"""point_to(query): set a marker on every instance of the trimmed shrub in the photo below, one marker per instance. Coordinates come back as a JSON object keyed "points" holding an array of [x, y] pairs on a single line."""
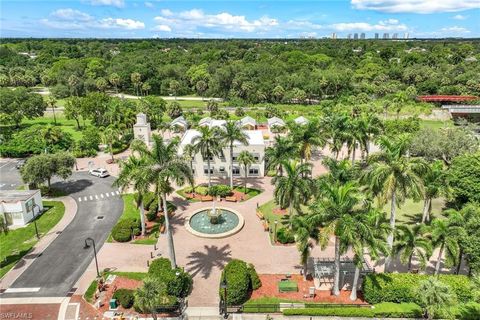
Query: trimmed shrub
{"points": [[328, 311], [469, 311], [285, 236], [402, 287], [238, 281], [188, 190], [201, 190], [122, 231], [398, 310], [220, 190], [255, 280], [125, 297], [178, 282]]}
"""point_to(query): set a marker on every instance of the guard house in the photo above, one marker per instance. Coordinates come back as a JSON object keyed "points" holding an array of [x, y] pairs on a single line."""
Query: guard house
{"points": [[141, 129], [324, 270], [19, 207]]}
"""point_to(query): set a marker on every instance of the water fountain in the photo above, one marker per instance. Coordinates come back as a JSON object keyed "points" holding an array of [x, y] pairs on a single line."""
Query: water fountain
{"points": [[215, 222]]}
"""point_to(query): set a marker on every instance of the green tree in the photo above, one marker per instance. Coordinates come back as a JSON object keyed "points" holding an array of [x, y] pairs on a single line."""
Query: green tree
{"points": [[174, 110], [412, 242], [114, 80], [18, 104], [163, 166], [44, 167], [245, 159], [189, 152], [307, 137], [445, 237], [153, 107], [174, 87], [101, 84], [208, 143], [136, 79], [434, 182], [232, 134], [282, 150], [150, 296], [201, 86], [74, 84], [392, 175], [464, 178], [306, 235], [110, 135], [295, 188], [73, 110], [434, 296], [51, 102]]}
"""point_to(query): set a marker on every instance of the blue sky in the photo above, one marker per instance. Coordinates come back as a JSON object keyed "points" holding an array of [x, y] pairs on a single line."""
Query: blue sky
{"points": [[238, 19]]}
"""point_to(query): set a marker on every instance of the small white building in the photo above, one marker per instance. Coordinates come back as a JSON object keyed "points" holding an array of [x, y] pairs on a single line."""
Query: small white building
{"points": [[248, 123], [275, 122], [18, 207], [301, 120], [179, 124], [220, 166], [211, 122], [142, 130]]}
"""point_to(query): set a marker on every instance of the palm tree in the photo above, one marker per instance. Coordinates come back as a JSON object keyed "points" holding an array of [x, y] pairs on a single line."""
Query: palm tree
{"points": [[412, 242], [136, 78], [434, 296], [373, 127], [283, 150], [109, 135], [150, 295], [209, 145], [51, 102], [434, 182], [295, 188], [162, 166], [307, 137], [336, 125], [392, 176], [338, 170], [334, 211], [114, 79], [131, 176], [355, 135], [189, 154], [245, 159], [233, 133], [445, 237], [305, 233]]}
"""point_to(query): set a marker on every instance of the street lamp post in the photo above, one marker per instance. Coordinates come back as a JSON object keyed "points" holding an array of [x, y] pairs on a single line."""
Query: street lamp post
{"points": [[223, 285], [94, 252], [35, 219], [275, 231]]}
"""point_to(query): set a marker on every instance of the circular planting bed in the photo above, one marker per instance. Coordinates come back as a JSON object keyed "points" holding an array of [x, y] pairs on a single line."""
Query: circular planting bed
{"points": [[219, 224]]}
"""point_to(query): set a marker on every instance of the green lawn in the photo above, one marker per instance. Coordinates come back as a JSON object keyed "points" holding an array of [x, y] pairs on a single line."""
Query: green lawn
{"points": [[129, 275], [435, 124], [411, 211], [17, 243], [91, 291], [251, 192], [66, 125]]}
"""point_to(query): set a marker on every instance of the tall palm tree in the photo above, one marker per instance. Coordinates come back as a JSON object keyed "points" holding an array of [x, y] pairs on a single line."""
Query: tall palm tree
{"points": [[333, 211], [149, 296], [109, 135], [355, 135], [306, 233], [307, 137], [245, 159], [338, 170], [445, 237], [131, 176], [51, 102], [412, 242], [162, 167], [434, 296], [114, 79], [295, 188], [282, 150], [434, 181], [336, 125], [392, 175], [189, 154], [208, 143], [373, 127], [233, 133]]}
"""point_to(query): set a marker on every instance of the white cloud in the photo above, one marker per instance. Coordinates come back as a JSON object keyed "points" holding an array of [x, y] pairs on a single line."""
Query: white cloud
{"points": [[191, 20], [416, 6], [149, 4], [384, 25], [455, 29], [162, 27], [114, 3], [128, 24], [71, 14], [459, 17]]}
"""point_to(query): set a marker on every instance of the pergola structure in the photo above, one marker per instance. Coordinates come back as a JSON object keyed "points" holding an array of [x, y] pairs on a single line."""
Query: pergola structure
{"points": [[446, 98], [325, 268]]}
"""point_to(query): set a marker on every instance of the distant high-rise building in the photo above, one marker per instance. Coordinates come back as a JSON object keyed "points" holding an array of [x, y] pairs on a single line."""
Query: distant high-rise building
{"points": [[362, 35], [406, 35], [376, 35], [334, 35], [349, 36], [386, 35], [395, 36], [355, 36]]}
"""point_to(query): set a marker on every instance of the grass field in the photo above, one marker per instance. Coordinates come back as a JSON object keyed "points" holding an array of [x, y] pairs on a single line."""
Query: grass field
{"points": [[17, 243], [66, 125], [436, 124], [411, 212]]}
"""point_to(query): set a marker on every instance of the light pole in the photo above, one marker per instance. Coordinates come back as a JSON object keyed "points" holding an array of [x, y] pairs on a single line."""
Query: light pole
{"points": [[223, 285], [94, 252], [275, 232], [35, 219]]}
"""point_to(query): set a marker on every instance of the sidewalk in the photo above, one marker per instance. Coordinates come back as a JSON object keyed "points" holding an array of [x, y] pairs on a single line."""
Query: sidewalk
{"points": [[43, 243]]}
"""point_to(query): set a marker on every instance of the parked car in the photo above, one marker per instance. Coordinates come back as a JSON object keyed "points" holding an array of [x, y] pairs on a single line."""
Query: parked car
{"points": [[100, 172]]}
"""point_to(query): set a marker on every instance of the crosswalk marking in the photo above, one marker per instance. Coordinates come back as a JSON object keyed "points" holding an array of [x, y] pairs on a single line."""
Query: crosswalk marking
{"points": [[113, 193], [12, 290], [117, 192], [85, 198], [107, 194], [79, 199], [101, 195], [96, 197], [91, 198]]}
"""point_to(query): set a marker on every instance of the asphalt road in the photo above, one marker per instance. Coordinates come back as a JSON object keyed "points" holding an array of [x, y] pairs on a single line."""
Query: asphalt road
{"points": [[9, 175], [65, 260]]}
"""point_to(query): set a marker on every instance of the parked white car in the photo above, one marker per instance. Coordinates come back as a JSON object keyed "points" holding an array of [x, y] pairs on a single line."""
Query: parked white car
{"points": [[100, 172]]}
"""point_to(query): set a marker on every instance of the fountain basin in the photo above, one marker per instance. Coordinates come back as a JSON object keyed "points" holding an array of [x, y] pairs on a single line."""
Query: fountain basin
{"points": [[199, 224]]}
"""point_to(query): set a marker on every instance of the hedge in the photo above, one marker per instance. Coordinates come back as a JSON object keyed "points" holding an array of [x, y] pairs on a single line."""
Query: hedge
{"points": [[398, 310], [332, 311], [220, 190], [177, 285], [285, 236], [124, 297], [402, 287], [254, 279], [122, 231]]}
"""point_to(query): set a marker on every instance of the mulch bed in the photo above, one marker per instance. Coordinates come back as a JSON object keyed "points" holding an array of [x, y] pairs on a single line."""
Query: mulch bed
{"points": [[118, 283], [240, 196], [269, 288], [279, 211]]}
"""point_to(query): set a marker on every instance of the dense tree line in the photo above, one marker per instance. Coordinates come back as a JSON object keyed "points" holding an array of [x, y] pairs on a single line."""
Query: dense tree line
{"points": [[245, 70]]}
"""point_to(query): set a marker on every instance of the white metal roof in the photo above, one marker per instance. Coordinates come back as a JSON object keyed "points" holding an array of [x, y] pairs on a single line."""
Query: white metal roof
{"points": [[248, 120], [301, 120], [275, 121], [255, 138], [179, 121], [211, 122]]}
